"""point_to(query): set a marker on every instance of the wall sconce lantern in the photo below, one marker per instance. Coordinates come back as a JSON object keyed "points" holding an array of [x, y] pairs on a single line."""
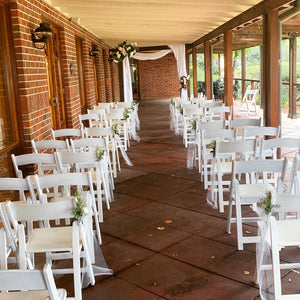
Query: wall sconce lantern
{"points": [[41, 35], [94, 51]]}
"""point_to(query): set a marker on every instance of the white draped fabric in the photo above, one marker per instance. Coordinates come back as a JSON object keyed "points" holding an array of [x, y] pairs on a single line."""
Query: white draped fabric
{"points": [[179, 53]]}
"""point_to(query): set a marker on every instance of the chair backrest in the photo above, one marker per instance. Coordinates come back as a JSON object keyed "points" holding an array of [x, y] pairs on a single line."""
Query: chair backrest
{"points": [[250, 95], [29, 280], [63, 185], [294, 182], [279, 143], [67, 132], [207, 104], [219, 124], [219, 134], [86, 144], [45, 161], [17, 184], [99, 132], [218, 112], [106, 106], [192, 110], [261, 132], [245, 123], [90, 117], [125, 104], [231, 148], [56, 145]]}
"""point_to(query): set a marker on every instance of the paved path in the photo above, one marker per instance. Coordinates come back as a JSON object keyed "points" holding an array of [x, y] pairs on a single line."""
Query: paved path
{"points": [[160, 237]]}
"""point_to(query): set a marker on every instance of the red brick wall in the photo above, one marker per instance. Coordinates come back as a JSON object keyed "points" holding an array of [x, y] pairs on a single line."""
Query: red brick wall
{"points": [[31, 69], [158, 78]]}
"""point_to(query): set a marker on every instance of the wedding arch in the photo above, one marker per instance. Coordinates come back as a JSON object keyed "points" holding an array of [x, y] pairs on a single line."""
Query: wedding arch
{"points": [[179, 53]]}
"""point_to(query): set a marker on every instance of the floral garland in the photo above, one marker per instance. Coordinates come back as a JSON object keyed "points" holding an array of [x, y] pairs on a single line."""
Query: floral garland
{"points": [[122, 50], [80, 208], [184, 81]]}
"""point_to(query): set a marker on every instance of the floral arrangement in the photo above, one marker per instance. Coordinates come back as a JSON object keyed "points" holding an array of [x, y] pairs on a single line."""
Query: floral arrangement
{"points": [[193, 124], [126, 113], [212, 147], [184, 81], [99, 154], [115, 129], [122, 50], [181, 109], [172, 102], [80, 208], [266, 204]]}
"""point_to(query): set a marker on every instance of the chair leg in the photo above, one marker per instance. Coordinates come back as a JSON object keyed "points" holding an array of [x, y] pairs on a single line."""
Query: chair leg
{"points": [[76, 263], [239, 226], [3, 250]]}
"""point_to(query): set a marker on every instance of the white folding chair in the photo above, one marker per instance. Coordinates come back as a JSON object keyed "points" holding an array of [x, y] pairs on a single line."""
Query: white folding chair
{"points": [[30, 284], [64, 242], [242, 123], [67, 133], [213, 125], [92, 119], [259, 181], [220, 113], [207, 137], [225, 154], [88, 161], [106, 106], [109, 135], [249, 100], [64, 186]]}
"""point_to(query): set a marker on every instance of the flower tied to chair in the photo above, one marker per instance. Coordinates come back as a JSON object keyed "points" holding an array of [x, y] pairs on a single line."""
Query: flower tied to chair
{"points": [[80, 208], [126, 113], [99, 154], [267, 205], [212, 147], [115, 129]]}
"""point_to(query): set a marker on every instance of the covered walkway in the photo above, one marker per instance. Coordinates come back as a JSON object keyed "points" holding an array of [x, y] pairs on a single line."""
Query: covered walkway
{"points": [[160, 237]]}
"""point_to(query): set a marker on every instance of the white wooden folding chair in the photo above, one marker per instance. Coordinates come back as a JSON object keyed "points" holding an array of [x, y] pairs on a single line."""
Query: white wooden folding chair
{"points": [[106, 106], [88, 161], [258, 182], [242, 123], [67, 133], [93, 119], [212, 125], [249, 100], [64, 242], [225, 154], [30, 284], [64, 186], [220, 113], [109, 135], [207, 137]]}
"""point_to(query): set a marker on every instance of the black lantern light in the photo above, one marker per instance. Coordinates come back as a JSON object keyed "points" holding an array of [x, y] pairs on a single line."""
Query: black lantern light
{"points": [[41, 35], [94, 51]]}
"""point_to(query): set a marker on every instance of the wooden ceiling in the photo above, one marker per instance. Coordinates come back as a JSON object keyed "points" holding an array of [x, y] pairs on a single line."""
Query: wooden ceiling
{"points": [[152, 22]]}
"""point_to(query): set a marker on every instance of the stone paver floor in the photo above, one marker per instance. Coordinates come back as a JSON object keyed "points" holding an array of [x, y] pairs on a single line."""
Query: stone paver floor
{"points": [[160, 237]]}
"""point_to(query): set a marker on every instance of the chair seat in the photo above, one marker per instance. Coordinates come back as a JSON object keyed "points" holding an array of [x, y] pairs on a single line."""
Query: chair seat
{"points": [[225, 167], [32, 295], [255, 191], [55, 238], [288, 232]]}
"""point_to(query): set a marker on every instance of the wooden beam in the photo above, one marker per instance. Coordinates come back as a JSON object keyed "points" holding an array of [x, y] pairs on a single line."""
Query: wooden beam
{"points": [[243, 67], [292, 77], [207, 70], [271, 78], [154, 48], [195, 77], [228, 74], [255, 11]]}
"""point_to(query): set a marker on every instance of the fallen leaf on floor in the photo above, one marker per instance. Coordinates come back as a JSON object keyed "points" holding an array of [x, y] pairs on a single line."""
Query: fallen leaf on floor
{"points": [[246, 272], [149, 234], [173, 175], [168, 221], [137, 264], [295, 271], [212, 257], [290, 280], [174, 255], [161, 228], [155, 283], [247, 231]]}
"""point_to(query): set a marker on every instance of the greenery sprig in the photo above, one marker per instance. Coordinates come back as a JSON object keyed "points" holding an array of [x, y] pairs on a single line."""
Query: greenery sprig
{"points": [[80, 208], [266, 204], [193, 124], [212, 146], [115, 129], [99, 153], [126, 113]]}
